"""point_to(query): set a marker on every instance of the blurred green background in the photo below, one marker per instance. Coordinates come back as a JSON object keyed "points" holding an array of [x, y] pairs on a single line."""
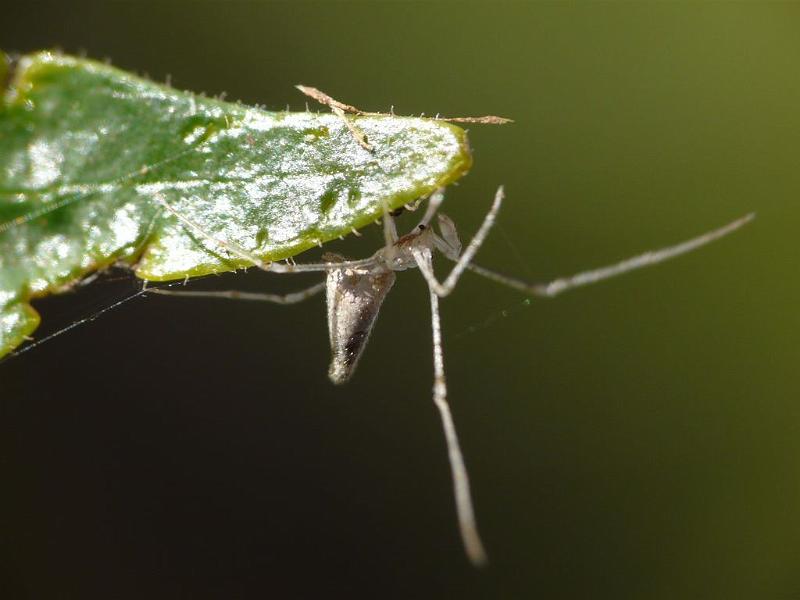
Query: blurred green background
{"points": [[637, 439]]}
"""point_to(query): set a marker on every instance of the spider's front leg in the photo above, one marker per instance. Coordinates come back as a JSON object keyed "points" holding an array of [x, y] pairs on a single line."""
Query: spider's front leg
{"points": [[647, 259]]}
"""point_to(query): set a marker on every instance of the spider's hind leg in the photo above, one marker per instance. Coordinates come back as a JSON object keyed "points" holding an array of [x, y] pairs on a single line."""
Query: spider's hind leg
{"points": [[290, 298]]}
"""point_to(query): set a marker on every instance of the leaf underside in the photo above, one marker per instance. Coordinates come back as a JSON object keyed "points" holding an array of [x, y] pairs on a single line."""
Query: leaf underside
{"points": [[89, 154]]}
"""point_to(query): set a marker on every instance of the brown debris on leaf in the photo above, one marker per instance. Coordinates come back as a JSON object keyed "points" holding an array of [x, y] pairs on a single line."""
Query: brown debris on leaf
{"points": [[323, 98], [486, 120], [340, 108], [359, 135]]}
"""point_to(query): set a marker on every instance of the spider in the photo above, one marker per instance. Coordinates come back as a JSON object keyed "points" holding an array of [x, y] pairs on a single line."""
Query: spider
{"points": [[356, 289]]}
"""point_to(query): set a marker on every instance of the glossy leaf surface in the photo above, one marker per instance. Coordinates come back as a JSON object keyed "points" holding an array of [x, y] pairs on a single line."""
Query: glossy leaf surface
{"points": [[89, 155]]}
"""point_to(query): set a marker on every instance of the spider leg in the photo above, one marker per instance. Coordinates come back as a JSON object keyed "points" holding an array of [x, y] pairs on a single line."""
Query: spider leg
{"points": [[290, 298], [468, 528], [434, 202], [647, 259], [390, 236]]}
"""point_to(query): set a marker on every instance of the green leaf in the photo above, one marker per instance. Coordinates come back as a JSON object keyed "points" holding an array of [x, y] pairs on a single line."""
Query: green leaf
{"points": [[89, 154]]}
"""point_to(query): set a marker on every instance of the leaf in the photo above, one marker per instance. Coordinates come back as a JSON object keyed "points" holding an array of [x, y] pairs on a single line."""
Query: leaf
{"points": [[89, 154]]}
